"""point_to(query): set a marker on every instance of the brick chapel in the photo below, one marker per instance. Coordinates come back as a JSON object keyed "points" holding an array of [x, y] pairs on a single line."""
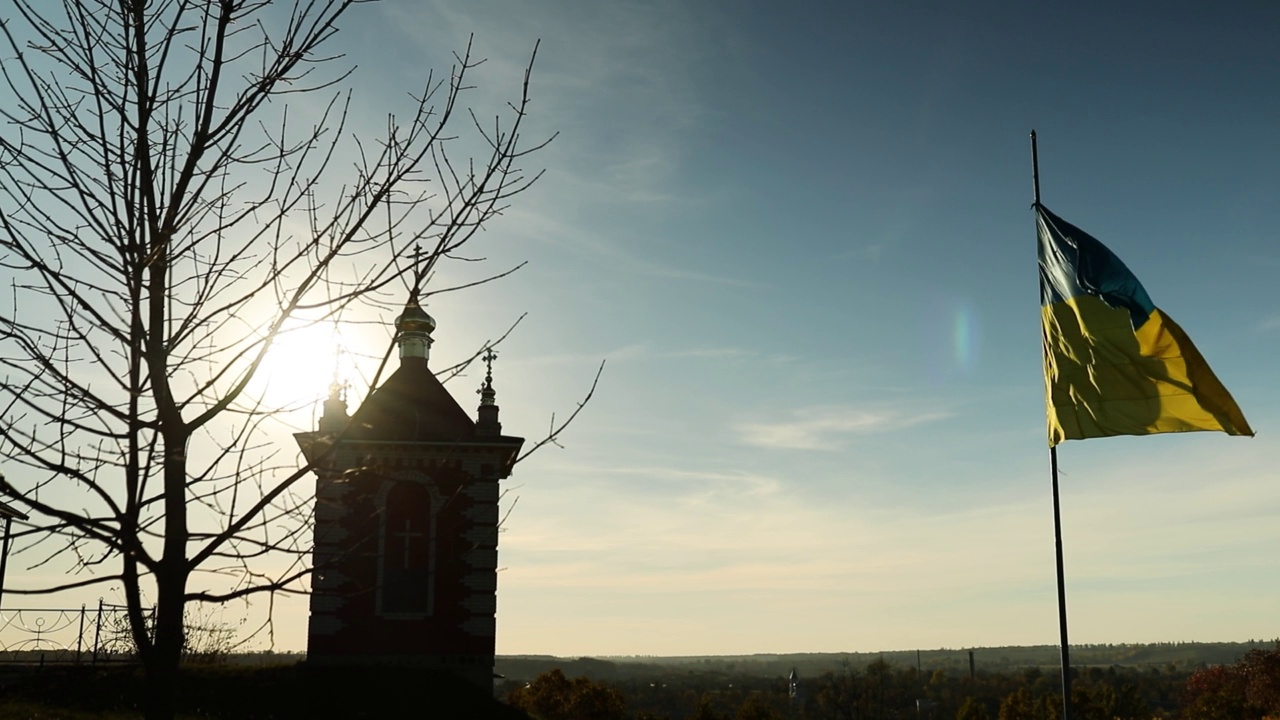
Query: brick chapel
{"points": [[406, 520]]}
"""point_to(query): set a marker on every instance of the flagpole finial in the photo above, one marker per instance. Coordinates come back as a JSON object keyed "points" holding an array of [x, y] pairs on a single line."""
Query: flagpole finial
{"points": [[1035, 170]]}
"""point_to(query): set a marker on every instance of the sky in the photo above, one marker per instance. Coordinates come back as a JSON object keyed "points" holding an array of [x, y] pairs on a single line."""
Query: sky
{"points": [[799, 235]]}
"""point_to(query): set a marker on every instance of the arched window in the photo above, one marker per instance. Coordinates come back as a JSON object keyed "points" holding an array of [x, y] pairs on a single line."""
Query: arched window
{"points": [[408, 550]]}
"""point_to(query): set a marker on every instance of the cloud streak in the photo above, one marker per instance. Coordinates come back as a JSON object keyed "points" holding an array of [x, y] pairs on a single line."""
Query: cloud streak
{"points": [[829, 428]]}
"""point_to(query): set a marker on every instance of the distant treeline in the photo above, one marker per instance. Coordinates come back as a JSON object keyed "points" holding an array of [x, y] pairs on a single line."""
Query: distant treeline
{"points": [[1173, 681], [1179, 655]]}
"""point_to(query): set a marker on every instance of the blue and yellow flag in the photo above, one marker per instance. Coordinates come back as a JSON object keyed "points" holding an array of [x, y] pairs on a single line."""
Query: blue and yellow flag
{"points": [[1113, 363]]}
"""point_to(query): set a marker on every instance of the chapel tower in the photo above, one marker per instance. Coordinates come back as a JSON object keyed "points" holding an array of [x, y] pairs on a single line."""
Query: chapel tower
{"points": [[406, 520]]}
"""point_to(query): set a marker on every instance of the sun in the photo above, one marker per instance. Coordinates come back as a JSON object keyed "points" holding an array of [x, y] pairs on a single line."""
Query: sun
{"points": [[305, 359]]}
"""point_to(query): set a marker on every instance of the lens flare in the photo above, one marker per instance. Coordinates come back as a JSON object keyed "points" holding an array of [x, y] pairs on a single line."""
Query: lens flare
{"points": [[968, 336]]}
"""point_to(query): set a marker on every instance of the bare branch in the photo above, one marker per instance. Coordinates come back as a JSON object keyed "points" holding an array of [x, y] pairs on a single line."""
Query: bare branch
{"points": [[553, 434], [169, 221]]}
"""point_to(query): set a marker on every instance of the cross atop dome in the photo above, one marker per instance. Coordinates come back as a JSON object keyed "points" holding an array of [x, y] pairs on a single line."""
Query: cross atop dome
{"points": [[487, 394], [414, 326], [487, 416]]}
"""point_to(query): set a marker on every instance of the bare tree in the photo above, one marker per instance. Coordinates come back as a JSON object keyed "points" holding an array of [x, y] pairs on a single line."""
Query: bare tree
{"points": [[165, 218]]}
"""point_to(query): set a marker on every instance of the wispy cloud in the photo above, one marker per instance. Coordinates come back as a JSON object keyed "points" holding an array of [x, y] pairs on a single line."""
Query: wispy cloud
{"points": [[697, 483], [714, 352], [626, 106], [623, 248], [637, 80], [640, 352], [828, 428]]}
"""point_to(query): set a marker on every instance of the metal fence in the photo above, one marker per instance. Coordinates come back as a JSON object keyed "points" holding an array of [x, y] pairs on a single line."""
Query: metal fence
{"points": [[66, 636]]}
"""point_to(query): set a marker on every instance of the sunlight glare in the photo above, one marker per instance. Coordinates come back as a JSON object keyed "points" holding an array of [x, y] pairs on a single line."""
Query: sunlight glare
{"points": [[303, 362]]}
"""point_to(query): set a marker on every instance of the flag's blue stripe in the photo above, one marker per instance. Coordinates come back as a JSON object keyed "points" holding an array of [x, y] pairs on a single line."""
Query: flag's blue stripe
{"points": [[1073, 263]]}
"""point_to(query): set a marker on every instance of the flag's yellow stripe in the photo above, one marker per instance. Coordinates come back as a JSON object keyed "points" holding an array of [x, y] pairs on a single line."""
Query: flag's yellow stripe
{"points": [[1104, 378]]}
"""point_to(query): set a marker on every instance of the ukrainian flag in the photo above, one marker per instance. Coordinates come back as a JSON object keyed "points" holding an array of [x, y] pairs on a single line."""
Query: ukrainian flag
{"points": [[1113, 363]]}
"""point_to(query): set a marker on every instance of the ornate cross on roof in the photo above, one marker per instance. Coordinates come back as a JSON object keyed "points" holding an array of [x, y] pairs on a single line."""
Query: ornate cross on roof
{"points": [[489, 356]]}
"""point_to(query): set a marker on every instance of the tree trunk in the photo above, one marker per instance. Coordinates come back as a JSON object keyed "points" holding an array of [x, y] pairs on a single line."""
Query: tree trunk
{"points": [[171, 582], [163, 663]]}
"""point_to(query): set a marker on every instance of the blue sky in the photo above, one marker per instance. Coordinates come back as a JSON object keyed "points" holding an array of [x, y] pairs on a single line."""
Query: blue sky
{"points": [[800, 235]]}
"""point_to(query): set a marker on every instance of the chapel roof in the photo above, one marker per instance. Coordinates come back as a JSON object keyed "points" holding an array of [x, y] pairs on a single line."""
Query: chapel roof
{"points": [[412, 406]]}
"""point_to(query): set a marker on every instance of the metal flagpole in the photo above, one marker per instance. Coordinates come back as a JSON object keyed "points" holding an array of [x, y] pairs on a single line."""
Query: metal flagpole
{"points": [[1057, 510]]}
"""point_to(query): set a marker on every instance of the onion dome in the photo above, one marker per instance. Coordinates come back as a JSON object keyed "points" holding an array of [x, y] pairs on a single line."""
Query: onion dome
{"points": [[413, 331]]}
